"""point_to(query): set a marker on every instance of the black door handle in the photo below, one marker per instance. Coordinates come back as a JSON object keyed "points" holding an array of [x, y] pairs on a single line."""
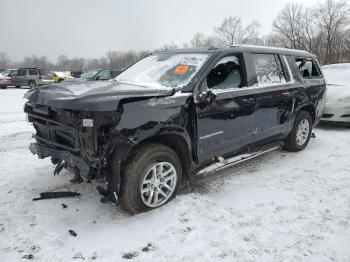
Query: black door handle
{"points": [[286, 94], [247, 101]]}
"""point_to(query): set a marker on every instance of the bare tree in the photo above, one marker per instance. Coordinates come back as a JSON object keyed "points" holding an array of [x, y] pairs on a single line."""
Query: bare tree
{"points": [[201, 40], [322, 30], [4, 61], [334, 19], [288, 25], [232, 31], [62, 62]]}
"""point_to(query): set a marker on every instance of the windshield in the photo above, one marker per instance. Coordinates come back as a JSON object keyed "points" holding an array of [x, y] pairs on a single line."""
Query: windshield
{"points": [[7, 72], [164, 70], [90, 74]]}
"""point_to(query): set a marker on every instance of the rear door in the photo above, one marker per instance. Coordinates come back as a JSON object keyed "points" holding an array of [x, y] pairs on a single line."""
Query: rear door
{"points": [[227, 123], [313, 81], [275, 88], [33, 75]]}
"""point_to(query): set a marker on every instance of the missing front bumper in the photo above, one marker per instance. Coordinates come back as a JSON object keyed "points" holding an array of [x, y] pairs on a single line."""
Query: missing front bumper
{"points": [[42, 151]]}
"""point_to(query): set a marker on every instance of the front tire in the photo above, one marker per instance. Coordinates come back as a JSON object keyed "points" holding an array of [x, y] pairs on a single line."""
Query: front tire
{"points": [[301, 132], [151, 178], [3, 87]]}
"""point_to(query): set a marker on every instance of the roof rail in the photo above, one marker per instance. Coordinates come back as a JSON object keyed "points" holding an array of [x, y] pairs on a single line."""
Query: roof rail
{"points": [[266, 47]]}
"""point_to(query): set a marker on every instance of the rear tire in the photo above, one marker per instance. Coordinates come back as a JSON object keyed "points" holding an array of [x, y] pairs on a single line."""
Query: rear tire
{"points": [[3, 87], [151, 178], [301, 132], [18, 86]]}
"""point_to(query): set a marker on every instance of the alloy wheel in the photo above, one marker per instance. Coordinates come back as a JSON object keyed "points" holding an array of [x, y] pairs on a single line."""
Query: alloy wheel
{"points": [[158, 184], [302, 132]]}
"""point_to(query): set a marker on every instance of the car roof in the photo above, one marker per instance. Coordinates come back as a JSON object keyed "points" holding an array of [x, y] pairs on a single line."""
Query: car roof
{"points": [[245, 48]]}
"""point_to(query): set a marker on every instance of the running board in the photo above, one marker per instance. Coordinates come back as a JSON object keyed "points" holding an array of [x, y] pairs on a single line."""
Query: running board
{"points": [[226, 163]]}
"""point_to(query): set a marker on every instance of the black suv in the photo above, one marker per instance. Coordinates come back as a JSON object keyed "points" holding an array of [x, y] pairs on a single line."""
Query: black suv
{"points": [[172, 115]]}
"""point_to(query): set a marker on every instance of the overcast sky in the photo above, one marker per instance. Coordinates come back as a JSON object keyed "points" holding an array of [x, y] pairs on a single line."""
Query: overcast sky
{"points": [[89, 28]]}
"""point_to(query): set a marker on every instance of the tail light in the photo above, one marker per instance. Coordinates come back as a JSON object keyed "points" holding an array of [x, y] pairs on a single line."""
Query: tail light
{"points": [[40, 77]]}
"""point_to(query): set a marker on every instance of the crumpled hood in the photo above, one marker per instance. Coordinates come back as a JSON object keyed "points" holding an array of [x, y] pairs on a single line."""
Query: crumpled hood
{"points": [[90, 95]]}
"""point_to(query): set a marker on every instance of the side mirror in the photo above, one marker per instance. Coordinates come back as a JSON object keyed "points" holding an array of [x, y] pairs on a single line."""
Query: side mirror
{"points": [[206, 98]]}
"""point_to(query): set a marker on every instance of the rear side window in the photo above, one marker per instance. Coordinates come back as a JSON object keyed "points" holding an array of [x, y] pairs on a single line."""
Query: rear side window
{"points": [[33, 72], [268, 69], [308, 68], [104, 74], [22, 72]]}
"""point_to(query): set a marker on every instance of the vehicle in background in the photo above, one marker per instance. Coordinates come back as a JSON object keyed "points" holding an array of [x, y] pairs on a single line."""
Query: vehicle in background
{"points": [[27, 76], [76, 74], [58, 76], [174, 115], [46, 76], [337, 108], [100, 74], [7, 72], [5, 79], [2, 70]]}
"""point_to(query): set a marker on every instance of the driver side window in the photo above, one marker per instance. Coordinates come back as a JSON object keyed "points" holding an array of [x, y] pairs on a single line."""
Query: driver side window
{"points": [[225, 74]]}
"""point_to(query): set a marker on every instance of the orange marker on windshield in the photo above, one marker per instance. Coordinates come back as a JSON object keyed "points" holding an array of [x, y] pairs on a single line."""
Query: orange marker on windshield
{"points": [[181, 70]]}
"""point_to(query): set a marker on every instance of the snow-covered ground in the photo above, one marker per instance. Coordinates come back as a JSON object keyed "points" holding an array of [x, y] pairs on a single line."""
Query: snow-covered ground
{"points": [[279, 207]]}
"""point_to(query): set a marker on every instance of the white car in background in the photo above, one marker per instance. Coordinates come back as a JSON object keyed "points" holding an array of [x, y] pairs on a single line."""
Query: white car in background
{"points": [[338, 93]]}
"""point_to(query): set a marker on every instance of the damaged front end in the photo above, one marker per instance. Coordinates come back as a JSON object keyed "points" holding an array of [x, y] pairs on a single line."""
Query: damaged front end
{"points": [[79, 141]]}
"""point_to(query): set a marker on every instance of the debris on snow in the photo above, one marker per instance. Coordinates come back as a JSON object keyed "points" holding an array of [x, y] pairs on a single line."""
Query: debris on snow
{"points": [[78, 255], [29, 256], [50, 195], [130, 255], [147, 248], [72, 232]]}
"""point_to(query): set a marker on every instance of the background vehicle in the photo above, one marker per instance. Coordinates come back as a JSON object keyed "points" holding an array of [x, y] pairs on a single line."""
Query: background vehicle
{"points": [[2, 70], [338, 93], [174, 114], [5, 80], [100, 74], [76, 74], [31, 77], [58, 76]]}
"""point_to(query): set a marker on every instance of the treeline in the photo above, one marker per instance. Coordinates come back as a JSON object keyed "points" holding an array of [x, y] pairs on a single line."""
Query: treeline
{"points": [[323, 29]]}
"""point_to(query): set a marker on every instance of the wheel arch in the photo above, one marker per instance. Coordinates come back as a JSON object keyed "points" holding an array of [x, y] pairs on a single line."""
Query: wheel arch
{"points": [[310, 108], [177, 143]]}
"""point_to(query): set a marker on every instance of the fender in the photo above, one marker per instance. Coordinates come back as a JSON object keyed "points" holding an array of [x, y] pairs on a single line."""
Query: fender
{"points": [[142, 120]]}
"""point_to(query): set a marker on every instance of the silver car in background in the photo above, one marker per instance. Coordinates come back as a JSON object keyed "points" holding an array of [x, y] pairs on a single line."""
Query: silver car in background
{"points": [[31, 77], [5, 79], [338, 93]]}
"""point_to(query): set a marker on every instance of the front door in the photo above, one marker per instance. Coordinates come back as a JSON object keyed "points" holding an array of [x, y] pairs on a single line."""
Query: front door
{"points": [[19, 77], [227, 123]]}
